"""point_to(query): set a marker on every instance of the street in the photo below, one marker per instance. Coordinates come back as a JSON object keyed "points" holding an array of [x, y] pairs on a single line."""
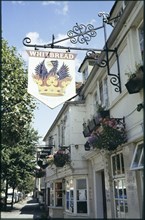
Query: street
{"points": [[26, 209]]}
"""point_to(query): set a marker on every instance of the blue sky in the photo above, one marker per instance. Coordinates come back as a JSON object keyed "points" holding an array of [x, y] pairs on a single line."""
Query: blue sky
{"points": [[39, 20]]}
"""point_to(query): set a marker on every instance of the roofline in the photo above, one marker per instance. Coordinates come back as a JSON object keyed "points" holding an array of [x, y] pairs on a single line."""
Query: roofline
{"points": [[113, 7]]}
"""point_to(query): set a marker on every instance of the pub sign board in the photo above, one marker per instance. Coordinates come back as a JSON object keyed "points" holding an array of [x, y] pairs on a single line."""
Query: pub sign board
{"points": [[51, 76]]}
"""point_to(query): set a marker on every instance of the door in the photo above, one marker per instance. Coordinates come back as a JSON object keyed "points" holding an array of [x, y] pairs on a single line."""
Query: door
{"points": [[101, 209]]}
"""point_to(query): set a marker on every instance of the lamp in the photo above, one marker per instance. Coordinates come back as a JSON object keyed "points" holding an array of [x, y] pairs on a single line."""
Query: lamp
{"points": [[87, 146]]}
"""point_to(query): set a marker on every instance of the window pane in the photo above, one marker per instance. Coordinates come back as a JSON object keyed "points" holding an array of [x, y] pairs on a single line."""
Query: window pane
{"points": [[117, 208], [101, 92], [67, 200], [116, 189], [118, 165], [121, 206], [81, 194], [58, 185], [81, 184], [142, 160], [59, 202], [122, 163], [81, 207], [141, 39], [137, 156], [105, 93], [113, 165], [59, 194]]}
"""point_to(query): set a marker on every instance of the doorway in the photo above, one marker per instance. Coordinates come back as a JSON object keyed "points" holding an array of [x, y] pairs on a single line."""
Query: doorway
{"points": [[101, 209]]}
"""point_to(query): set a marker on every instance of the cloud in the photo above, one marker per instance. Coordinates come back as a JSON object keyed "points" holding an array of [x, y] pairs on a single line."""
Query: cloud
{"points": [[93, 22], [61, 7], [35, 38], [18, 2], [50, 3], [64, 10]]}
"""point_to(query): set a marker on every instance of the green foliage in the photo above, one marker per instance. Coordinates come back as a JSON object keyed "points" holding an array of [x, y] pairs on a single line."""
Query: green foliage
{"points": [[17, 105], [18, 138]]}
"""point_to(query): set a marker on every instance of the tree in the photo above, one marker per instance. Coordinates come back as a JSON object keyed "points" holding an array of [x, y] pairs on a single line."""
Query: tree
{"points": [[17, 105], [18, 138]]}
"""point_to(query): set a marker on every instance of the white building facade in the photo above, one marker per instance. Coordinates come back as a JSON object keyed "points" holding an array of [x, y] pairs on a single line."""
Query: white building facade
{"points": [[100, 183]]}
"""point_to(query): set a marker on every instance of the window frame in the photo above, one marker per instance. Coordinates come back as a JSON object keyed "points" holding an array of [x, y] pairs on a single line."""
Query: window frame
{"points": [[81, 200], [53, 194], [71, 185], [85, 73], [101, 94], [119, 177], [139, 166], [141, 40]]}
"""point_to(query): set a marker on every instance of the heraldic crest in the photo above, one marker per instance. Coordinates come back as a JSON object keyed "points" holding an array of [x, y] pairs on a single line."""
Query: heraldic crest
{"points": [[51, 80]]}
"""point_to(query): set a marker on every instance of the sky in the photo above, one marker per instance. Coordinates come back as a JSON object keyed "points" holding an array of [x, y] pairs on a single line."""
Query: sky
{"points": [[39, 20]]}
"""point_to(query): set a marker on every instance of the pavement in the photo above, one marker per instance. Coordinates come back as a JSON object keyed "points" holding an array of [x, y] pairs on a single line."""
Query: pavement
{"points": [[27, 209]]}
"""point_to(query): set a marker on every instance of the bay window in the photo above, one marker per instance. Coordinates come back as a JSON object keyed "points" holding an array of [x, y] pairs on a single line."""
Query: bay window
{"points": [[76, 196], [56, 194], [70, 196], [119, 185], [81, 190]]}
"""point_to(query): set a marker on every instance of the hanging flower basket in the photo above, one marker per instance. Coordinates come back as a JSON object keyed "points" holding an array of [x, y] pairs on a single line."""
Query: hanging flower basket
{"points": [[135, 82], [109, 135], [61, 158], [87, 146]]}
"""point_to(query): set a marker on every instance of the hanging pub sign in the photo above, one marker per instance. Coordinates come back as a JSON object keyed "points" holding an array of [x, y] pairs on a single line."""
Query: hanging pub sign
{"points": [[51, 76]]}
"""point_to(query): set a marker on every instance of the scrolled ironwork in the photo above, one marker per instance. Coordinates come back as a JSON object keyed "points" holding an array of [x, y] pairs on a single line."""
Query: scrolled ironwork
{"points": [[26, 41], [81, 33], [92, 54], [115, 81], [105, 16], [102, 64]]}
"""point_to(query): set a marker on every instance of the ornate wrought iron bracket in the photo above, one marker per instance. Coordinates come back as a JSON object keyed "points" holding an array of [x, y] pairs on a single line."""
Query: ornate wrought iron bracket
{"points": [[83, 34]]}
